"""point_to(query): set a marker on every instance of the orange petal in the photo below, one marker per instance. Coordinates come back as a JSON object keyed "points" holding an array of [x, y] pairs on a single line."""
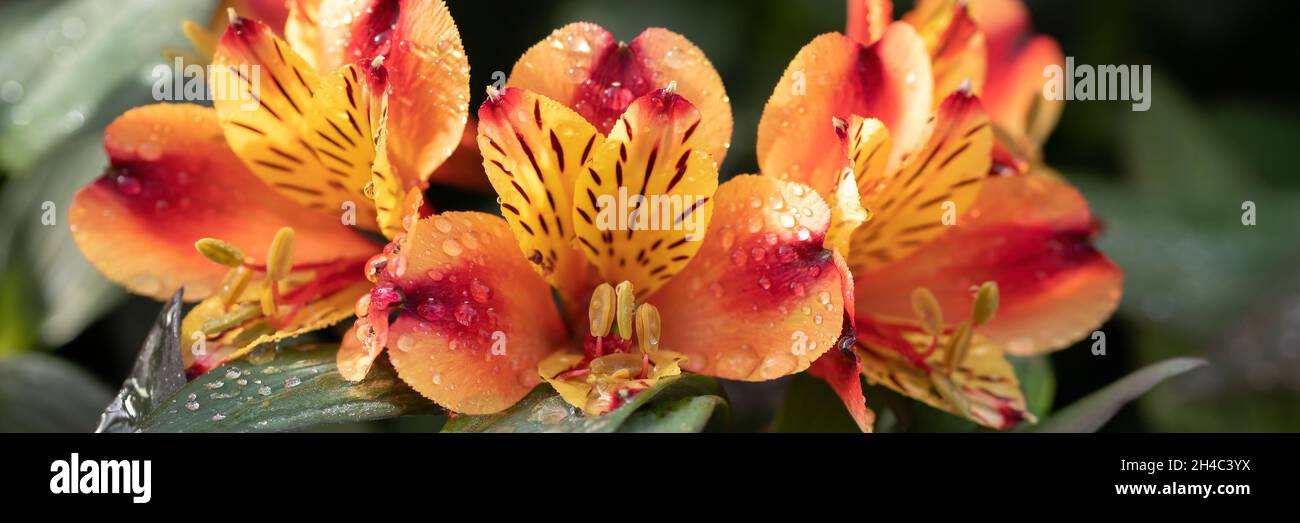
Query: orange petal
{"points": [[843, 373], [427, 80], [1016, 60], [868, 19], [1031, 235], [474, 320], [172, 181], [836, 77], [762, 298], [644, 202], [582, 66], [533, 150], [930, 193], [354, 359], [307, 138], [983, 387]]}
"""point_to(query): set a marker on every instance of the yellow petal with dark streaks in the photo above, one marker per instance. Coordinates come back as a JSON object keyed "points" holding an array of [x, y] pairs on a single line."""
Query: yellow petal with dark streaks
{"points": [[982, 387], [931, 191], [533, 150], [266, 97], [643, 205]]}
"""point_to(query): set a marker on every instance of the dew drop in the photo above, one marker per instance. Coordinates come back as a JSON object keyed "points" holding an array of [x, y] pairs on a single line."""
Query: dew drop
{"points": [[451, 247]]}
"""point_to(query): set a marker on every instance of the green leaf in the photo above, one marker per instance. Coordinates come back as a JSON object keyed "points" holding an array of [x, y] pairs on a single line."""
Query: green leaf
{"points": [[42, 393], [811, 405], [1037, 381], [69, 62], [542, 410], [289, 388], [158, 373], [693, 414], [1093, 411], [63, 291]]}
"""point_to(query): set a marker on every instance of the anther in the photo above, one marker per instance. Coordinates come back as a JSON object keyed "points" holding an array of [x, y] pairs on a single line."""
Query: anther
{"points": [[232, 16], [279, 259], [220, 252], [233, 287], [672, 87], [493, 93], [377, 62], [647, 328], [986, 303], [626, 309], [601, 311], [926, 307]]}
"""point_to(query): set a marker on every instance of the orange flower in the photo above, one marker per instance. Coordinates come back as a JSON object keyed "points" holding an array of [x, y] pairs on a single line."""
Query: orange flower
{"points": [[948, 244], [300, 146], [990, 44], [728, 280]]}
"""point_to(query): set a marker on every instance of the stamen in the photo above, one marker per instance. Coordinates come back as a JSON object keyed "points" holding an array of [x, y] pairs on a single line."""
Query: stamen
{"points": [[225, 322], [986, 303], [377, 62], [958, 346], [269, 299], [493, 93], [647, 328], [926, 307], [626, 309], [220, 252], [252, 332], [231, 15], [233, 286], [600, 313], [672, 87], [279, 259]]}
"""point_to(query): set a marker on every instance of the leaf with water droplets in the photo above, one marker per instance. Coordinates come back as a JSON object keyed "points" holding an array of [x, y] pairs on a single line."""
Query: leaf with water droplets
{"points": [[158, 373], [686, 403], [297, 388]]}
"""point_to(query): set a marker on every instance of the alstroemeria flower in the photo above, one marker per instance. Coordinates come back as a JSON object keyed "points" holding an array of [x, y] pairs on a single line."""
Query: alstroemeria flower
{"points": [[748, 293], [948, 244], [319, 150], [990, 45]]}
